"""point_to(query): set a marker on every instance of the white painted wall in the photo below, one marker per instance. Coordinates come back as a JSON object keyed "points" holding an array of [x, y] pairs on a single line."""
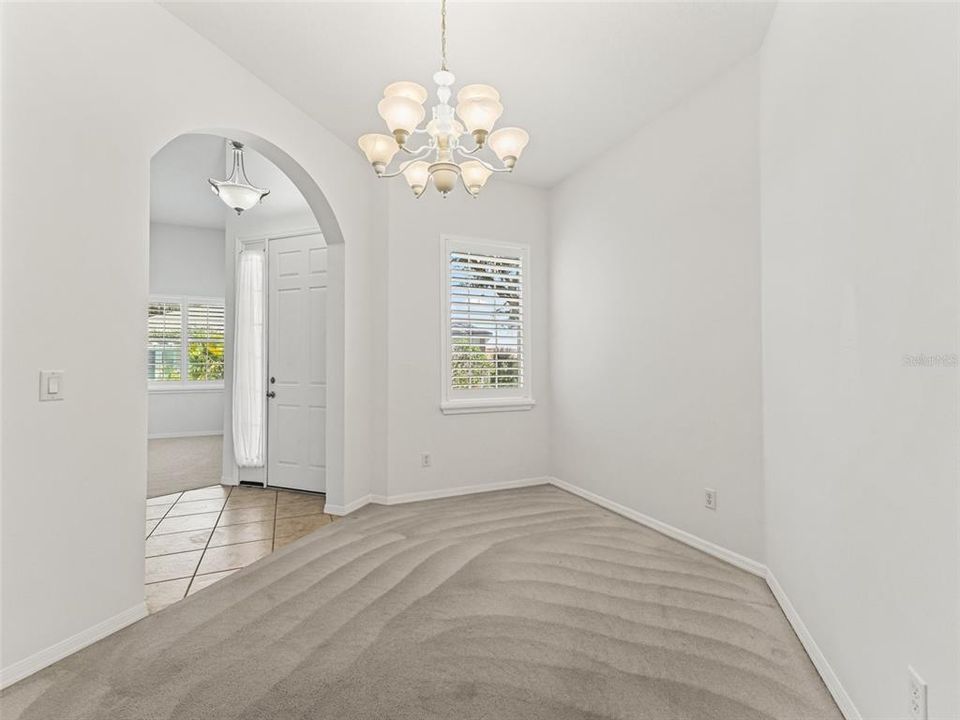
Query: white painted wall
{"points": [[90, 93], [860, 230], [185, 413], [655, 325], [472, 449], [185, 261]]}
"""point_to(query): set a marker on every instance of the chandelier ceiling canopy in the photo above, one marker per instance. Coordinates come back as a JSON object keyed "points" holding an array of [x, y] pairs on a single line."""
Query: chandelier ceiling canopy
{"points": [[442, 158]]}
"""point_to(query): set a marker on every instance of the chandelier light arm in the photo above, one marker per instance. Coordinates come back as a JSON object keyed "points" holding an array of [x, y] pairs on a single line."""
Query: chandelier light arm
{"points": [[406, 163], [474, 151], [416, 151], [487, 165]]}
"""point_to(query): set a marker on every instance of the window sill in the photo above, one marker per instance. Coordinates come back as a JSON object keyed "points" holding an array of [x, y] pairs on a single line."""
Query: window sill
{"points": [[464, 407], [185, 388]]}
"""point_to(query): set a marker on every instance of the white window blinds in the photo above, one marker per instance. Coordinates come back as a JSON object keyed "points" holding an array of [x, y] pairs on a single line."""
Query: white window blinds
{"points": [[486, 333], [185, 340], [164, 341], [486, 320], [205, 342], [486, 326]]}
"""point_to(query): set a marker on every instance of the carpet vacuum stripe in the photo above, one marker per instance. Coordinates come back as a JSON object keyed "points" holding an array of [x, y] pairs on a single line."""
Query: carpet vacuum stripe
{"points": [[526, 604]]}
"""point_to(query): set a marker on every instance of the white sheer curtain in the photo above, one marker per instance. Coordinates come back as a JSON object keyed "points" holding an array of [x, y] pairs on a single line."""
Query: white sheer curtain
{"points": [[248, 365]]}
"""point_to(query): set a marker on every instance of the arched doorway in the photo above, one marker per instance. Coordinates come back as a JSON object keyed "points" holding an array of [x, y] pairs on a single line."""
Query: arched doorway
{"points": [[177, 515]]}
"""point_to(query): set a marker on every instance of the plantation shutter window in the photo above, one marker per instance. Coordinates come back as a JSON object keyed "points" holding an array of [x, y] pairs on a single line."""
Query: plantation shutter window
{"points": [[185, 343], [486, 334], [164, 341], [205, 342]]}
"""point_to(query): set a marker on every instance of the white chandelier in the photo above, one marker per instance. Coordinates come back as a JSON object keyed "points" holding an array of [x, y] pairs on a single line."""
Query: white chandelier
{"points": [[478, 107]]}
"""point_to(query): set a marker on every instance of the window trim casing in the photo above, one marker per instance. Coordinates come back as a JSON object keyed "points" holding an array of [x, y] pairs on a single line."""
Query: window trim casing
{"points": [[183, 385], [453, 402]]}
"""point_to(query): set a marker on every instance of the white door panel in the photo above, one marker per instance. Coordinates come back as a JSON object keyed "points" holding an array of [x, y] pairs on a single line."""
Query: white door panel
{"points": [[296, 453]]}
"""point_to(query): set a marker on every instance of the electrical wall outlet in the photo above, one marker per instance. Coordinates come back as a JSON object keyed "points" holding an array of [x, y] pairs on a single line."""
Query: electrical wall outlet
{"points": [[918, 695], [710, 498], [425, 460]]}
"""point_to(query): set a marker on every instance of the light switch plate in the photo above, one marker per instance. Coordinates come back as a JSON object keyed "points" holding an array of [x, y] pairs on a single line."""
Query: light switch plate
{"points": [[51, 385]]}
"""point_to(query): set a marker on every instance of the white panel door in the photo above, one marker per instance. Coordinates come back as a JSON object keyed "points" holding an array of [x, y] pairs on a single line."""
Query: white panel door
{"points": [[297, 359]]}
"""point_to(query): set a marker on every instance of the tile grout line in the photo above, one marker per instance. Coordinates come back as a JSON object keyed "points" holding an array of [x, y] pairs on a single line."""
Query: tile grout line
{"points": [[213, 572], [182, 552], [217, 524], [164, 516], [273, 535], [235, 525], [207, 545]]}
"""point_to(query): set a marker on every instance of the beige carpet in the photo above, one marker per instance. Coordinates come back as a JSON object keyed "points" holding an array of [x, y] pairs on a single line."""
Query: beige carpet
{"points": [[177, 464], [520, 605]]}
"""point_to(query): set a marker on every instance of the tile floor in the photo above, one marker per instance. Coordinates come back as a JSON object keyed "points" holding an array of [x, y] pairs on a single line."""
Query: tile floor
{"points": [[197, 537]]}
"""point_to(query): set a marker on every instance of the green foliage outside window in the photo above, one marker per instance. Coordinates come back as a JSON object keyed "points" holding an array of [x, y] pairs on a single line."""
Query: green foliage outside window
{"points": [[169, 322], [205, 359], [473, 365]]}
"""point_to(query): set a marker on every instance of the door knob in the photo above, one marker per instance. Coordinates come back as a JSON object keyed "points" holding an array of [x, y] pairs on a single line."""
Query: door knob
{"points": [[271, 394]]}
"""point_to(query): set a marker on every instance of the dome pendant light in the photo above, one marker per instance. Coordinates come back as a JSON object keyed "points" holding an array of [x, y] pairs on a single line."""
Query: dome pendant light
{"points": [[236, 191], [478, 109]]}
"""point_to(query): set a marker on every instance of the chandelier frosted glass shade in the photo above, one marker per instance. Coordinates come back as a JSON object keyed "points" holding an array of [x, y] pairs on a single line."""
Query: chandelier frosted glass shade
{"points": [[379, 149], [237, 191], [475, 175], [401, 114], [508, 143], [444, 155], [477, 92], [479, 114], [411, 90], [417, 175]]}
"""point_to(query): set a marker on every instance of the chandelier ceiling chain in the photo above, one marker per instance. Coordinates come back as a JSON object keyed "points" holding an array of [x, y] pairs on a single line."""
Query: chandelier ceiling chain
{"points": [[478, 109], [443, 34]]}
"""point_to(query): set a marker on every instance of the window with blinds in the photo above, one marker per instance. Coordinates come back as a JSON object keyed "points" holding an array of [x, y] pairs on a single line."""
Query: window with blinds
{"points": [[204, 342], [164, 341], [486, 353], [185, 341]]}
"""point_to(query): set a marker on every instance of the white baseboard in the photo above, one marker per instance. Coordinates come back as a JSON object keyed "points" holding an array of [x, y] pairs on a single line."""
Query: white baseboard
{"points": [[434, 494], [341, 510], [224, 480], [39, 660], [454, 492], [192, 433], [817, 657], [717, 551], [819, 660]]}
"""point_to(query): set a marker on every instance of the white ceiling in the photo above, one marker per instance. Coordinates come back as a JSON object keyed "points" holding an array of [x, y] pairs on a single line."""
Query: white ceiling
{"points": [[181, 195], [179, 192], [578, 76]]}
